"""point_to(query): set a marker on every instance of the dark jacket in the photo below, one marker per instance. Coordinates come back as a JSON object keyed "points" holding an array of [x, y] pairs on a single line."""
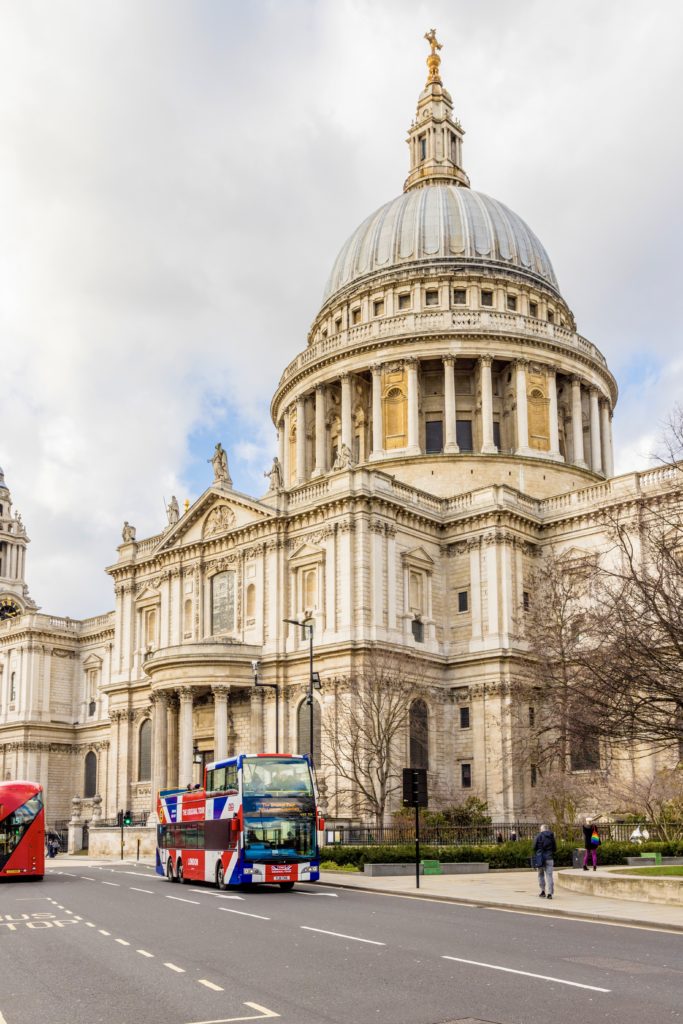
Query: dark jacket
{"points": [[545, 842], [587, 833]]}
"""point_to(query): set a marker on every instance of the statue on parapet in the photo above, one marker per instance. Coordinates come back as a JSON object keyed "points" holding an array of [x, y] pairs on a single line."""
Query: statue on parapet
{"points": [[344, 458], [219, 461], [173, 511], [275, 476], [128, 533]]}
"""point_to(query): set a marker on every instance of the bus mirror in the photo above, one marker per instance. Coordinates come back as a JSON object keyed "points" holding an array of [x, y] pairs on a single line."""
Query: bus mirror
{"points": [[321, 824]]}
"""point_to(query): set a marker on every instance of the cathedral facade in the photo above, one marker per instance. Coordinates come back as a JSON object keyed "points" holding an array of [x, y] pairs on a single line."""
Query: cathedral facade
{"points": [[444, 427]]}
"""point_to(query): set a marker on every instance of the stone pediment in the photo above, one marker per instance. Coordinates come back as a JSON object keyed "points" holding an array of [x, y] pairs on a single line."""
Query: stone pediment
{"points": [[306, 553], [418, 556], [214, 514]]}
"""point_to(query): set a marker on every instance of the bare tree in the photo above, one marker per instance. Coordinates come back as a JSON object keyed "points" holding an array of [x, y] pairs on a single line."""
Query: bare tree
{"points": [[658, 797], [365, 741]]}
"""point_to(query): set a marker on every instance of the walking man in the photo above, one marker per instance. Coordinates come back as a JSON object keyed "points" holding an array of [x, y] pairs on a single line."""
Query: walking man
{"points": [[543, 859]]}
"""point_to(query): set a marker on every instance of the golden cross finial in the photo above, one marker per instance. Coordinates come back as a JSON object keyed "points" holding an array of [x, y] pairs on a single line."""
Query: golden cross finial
{"points": [[187, 504], [432, 40]]}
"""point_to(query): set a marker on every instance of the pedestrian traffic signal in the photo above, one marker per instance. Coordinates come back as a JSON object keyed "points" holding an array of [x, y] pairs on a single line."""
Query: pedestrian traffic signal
{"points": [[127, 818], [415, 787]]}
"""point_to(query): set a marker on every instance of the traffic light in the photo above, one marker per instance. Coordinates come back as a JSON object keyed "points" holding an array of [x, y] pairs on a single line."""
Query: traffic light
{"points": [[415, 787], [119, 819], [127, 818]]}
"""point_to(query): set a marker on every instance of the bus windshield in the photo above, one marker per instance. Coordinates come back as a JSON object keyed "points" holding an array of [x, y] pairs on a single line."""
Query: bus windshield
{"points": [[279, 809], [272, 776], [14, 825]]}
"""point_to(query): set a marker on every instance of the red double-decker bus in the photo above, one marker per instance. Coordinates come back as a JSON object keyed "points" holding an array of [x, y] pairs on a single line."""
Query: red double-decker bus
{"points": [[22, 830]]}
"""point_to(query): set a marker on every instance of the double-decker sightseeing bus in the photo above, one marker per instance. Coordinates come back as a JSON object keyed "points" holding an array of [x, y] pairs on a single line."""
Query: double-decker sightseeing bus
{"points": [[22, 830], [256, 820]]}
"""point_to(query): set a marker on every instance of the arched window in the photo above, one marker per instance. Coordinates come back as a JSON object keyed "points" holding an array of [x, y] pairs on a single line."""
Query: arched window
{"points": [[12, 687], [309, 590], [304, 729], [90, 774], [251, 601], [187, 619], [145, 751], [151, 627], [419, 735], [223, 602]]}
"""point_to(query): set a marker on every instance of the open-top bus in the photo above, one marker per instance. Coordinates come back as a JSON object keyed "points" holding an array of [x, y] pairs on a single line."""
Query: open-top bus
{"points": [[255, 820], [22, 830]]}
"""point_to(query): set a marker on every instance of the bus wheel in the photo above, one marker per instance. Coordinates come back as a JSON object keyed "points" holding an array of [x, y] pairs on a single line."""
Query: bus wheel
{"points": [[220, 877], [286, 886], [179, 873], [169, 871]]}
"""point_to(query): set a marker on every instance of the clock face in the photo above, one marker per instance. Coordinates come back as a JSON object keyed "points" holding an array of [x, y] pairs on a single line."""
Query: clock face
{"points": [[8, 608]]}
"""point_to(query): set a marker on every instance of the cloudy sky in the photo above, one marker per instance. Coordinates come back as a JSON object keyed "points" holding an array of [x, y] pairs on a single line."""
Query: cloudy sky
{"points": [[177, 177]]}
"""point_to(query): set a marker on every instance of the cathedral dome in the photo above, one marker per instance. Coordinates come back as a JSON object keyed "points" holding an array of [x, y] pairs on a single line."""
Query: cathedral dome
{"points": [[441, 222]]}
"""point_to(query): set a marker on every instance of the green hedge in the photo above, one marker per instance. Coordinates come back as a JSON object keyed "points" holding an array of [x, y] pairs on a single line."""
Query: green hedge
{"points": [[500, 855]]}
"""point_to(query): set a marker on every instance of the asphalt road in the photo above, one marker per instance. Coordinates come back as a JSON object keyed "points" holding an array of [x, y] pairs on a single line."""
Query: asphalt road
{"points": [[121, 945]]}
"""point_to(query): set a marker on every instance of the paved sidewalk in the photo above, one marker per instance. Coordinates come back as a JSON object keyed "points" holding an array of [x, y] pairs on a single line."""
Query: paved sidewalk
{"points": [[517, 890]]}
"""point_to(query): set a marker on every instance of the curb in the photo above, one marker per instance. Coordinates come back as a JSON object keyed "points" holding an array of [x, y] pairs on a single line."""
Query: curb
{"points": [[513, 907]]}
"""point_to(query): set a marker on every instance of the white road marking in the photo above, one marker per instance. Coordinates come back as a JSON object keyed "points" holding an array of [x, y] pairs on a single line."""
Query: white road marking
{"points": [[527, 974], [173, 967], [133, 889], [181, 900], [218, 895], [69, 911], [77, 918], [210, 984], [140, 874], [339, 935], [303, 892], [122, 942], [143, 952], [2, 1019], [102, 932], [262, 1015], [117, 884], [88, 878], [243, 913], [89, 924]]}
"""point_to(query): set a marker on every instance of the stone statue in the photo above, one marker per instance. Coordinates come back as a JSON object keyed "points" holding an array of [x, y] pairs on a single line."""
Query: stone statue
{"points": [[128, 533], [173, 511], [275, 475], [344, 458], [219, 461]]}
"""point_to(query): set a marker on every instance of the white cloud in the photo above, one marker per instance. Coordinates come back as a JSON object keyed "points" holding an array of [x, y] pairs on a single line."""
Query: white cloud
{"points": [[175, 181]]}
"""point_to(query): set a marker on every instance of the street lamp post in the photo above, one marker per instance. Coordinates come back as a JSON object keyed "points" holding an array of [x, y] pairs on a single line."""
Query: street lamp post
{"points": [[271, 686], [306, 624]]}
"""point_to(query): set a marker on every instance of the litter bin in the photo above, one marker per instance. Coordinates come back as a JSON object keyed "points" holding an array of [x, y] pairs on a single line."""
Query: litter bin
{"points": [[577, 858]]}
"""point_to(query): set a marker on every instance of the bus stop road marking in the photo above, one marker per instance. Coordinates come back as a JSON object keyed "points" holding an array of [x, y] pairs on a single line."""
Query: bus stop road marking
{"points": [[340, 935], [181, 900], [174, 967], [263, 1014], [527, 974], [210, 984], [243, 913]]}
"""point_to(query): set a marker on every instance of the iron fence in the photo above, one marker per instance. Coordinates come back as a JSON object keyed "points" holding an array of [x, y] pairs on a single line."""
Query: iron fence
{"points": [[472, 835]]}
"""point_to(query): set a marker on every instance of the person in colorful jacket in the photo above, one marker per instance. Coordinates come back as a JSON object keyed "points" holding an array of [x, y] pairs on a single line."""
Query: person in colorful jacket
{"points": [[591, 841]]}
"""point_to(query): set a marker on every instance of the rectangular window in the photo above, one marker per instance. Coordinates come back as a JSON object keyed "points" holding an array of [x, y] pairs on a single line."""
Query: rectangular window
{"points": [[431, 297], [463, 601], [434, 436], [356, 448], [496, 434], [466, 776], [533, 309], [422, 142], [526, 601], [551, 316], [416, 591], [585, 754], [378, 307], [338, 325], [355, 316], [404, 300], [418, 631], [463, 435], [532, 717], [486, 298], [223, 602], [464, 718], [512, 303], [459, 296], [533, 775]]}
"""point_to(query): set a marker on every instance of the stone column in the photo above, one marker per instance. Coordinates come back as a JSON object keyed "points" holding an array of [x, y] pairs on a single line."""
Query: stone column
{"points": [[522, 411], [185, 738], [450, 445], [281, 443], [577, 423], [346, 421], [487, 445], [160, 742], [220, 722], [377, 423], [300, 439], [172, 741], [551, 378], [320, 439], [596, 452], [286, 468], [610, 449], [413, 407], [605, 437]]}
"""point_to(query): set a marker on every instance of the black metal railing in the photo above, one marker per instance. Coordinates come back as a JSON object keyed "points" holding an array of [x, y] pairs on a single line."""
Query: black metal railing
{"points": [[473, 835]]}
